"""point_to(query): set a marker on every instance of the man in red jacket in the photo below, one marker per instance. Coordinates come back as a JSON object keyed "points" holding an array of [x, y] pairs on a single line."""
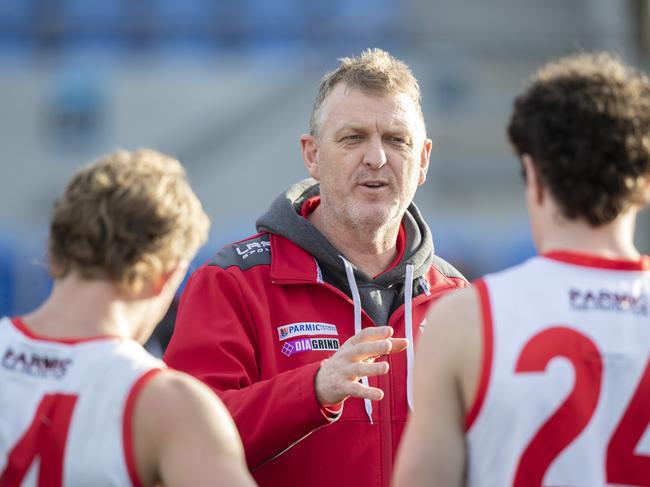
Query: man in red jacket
{"points": [[297, 327]]}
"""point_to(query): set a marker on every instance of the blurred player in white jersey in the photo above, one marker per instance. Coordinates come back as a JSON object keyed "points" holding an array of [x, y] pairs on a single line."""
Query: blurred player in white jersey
{"points": [[82, 403], [540, 375]]}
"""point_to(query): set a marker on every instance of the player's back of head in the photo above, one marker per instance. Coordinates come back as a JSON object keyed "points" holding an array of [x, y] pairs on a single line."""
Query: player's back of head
{"points": [[585, 122], [124, 217]]}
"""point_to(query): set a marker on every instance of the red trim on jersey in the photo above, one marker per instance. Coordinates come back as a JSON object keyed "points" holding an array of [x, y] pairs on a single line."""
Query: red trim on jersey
{"points": [[22, 328], [598, 261], [312, 203], [127, 425], [488, 349]]}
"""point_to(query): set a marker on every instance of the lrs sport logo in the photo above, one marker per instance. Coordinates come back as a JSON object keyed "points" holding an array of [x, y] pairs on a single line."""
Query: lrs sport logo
{"points": [[245, 251], [309, 345]]}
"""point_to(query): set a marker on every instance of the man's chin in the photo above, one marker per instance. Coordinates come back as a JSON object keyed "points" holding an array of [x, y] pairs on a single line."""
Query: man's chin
{"points": [[377, 219]]}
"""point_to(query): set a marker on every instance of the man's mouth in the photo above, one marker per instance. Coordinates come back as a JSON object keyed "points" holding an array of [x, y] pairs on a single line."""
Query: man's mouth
{"points": [[373, 184]]}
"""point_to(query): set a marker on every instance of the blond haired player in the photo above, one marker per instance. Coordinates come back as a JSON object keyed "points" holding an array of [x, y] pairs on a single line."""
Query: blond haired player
{"points": [[540, 374], [83, 404]]}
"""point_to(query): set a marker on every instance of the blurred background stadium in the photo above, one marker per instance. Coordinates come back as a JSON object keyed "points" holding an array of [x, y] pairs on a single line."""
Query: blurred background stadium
{"points": [[227, 87]]}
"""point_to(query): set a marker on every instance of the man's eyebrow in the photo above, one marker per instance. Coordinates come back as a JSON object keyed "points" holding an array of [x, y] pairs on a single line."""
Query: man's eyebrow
{"points": [[350, 126], [397, 126]]}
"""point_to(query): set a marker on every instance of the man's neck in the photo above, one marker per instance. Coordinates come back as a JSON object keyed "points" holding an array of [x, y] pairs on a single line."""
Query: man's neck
{"points": [[372, 250], [613, 240], [80, 309]]}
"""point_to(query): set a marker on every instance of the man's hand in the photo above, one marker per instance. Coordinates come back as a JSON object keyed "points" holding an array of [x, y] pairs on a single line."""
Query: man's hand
{"points": [[338, 377]]}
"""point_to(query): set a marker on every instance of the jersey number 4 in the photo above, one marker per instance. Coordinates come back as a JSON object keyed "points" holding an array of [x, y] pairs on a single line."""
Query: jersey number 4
{"points": [[623, 465], [44, 438]]}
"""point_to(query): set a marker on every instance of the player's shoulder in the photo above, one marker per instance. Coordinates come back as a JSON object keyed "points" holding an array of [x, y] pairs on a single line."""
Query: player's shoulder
{"points": [[172, 408], [171, 388], [457, 303], [244, 254], [453, 329], [174, 397], [455, 316]]}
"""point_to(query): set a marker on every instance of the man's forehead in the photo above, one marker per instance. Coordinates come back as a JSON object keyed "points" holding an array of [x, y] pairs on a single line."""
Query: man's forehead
{"points": [[351, 106]]}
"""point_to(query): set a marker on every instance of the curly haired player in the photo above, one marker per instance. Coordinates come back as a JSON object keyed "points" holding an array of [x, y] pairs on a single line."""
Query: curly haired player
{"points": [[540, 374]]}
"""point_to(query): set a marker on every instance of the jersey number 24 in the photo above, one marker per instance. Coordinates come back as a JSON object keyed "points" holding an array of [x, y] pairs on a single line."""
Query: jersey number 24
{"points": [[622, 464]]}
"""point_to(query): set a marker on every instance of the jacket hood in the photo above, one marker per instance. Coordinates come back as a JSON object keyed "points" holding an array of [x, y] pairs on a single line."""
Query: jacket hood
{"points": [[283, 218]]}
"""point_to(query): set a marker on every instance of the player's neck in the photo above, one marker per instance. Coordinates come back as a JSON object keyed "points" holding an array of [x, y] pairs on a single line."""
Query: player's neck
{"points": [[614, 240], [371, 250], [78, 308]]}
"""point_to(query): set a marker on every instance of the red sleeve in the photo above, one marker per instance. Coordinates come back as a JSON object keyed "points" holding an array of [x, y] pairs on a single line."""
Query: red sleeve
{"points": [[215, 341]]}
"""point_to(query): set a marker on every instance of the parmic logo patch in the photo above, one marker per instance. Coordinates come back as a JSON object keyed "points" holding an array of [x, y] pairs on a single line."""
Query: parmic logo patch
{"points": [[307, 328], [310, 345]]}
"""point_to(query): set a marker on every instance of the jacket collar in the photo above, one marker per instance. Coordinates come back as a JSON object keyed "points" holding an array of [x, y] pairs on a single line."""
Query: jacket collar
{"points": [[291, 263]]}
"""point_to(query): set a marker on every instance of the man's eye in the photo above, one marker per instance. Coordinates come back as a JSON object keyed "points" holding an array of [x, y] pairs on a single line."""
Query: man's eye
{"points": [[397, 140], [352, 137]]}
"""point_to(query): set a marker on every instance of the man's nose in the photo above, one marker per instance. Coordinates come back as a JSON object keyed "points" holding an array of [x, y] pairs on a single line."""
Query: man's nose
{"points": [[375, 155]]}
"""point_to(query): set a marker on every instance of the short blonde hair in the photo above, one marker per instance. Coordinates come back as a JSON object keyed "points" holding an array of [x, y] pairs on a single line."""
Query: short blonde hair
{"points": [[128, 217], [375, 72]]}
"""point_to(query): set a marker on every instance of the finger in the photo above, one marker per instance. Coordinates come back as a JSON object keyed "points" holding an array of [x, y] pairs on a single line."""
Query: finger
{"points": [[364, 369], [357, 389], [362, 351], [398, 344], [371, 333]]}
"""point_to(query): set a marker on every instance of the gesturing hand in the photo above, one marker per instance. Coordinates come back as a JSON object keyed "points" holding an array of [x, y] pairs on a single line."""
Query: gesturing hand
{"points": [[338, 377]]}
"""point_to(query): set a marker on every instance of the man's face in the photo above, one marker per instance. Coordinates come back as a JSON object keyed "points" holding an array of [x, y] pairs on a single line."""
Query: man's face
{"points": [[370, 156]]}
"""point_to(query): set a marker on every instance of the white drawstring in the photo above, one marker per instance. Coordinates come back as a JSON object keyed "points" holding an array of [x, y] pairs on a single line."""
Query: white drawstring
{"points": [[319, 274], [357, 322], [408, 324]]}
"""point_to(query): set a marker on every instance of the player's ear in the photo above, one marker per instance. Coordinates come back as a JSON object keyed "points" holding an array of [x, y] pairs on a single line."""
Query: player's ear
{"points": [[154, 285], [172, 278], [532, 178], [645, 184], [309, 145], [159, 283]]}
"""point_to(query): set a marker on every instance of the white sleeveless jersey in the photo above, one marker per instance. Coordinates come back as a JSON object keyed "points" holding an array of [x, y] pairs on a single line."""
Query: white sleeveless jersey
{"points": [[564, 393], [65, 408]]}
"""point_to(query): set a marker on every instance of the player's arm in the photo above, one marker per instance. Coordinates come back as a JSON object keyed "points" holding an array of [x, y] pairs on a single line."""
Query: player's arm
{"points": [[184, 437], [432, 452]]}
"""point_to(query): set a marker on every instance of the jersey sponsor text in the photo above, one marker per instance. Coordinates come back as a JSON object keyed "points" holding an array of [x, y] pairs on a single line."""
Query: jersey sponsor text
{"points": [[307, 328], [603, 300], [34, 364]]}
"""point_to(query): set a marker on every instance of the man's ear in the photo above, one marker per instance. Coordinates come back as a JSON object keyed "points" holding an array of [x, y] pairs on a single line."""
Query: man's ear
{"points": [[309, 145], [533, 181], [425, 155]]}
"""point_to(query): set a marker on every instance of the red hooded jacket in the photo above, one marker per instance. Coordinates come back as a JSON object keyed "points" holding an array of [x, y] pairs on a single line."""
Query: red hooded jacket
{"points": [[255, 324]]}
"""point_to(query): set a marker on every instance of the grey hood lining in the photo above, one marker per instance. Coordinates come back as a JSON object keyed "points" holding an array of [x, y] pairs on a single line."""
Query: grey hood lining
{"points": [[283, 218]]}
